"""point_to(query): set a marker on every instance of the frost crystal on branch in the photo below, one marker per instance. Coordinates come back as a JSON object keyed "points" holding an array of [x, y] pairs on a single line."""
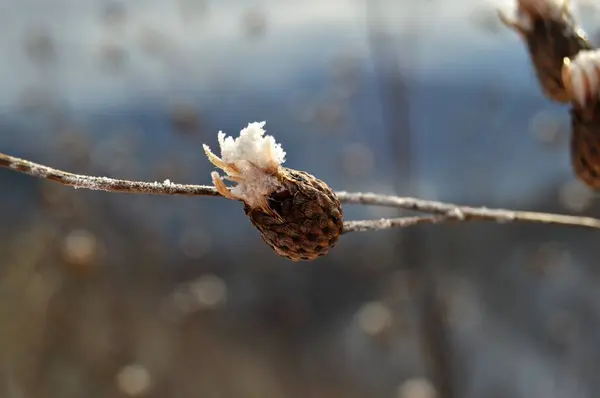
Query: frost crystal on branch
{"points": [[252, 145], [252, 160]]}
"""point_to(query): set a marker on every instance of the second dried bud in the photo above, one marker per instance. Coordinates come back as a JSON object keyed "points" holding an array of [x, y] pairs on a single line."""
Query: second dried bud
{"points": [[551, 35], [581, 77]]}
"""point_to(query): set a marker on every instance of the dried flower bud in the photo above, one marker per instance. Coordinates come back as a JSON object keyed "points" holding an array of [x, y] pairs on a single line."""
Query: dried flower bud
{"points": [[582, 82], [298, 215], [551, 35]]}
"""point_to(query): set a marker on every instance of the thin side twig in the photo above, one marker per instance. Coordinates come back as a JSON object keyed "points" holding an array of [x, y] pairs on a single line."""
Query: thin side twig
{"points": [[465, 213], [445, 211], [387, 223]]}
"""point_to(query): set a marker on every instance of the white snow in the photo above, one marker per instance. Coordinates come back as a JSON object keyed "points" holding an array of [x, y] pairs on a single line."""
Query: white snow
{"points": [[252, 145], [252, 160]]}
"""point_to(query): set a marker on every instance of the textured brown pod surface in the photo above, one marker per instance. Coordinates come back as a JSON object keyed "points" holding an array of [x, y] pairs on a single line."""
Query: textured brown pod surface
{"points": [[306, 220], [585, 144], [549, 42]]}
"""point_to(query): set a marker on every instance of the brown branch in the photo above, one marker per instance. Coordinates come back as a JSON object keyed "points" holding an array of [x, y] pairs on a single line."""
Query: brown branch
{"points": [[79, 181], [444, 211], [387, 223], [465, 213]]}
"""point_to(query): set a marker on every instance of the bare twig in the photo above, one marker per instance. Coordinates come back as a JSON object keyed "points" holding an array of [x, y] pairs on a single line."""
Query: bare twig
{"points": [[465, 213], [387, 223], [103, 183], [445, 211]]}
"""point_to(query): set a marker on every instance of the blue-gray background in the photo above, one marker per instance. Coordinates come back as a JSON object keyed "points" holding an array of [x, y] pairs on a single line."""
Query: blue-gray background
{"points": [[108, 295]]}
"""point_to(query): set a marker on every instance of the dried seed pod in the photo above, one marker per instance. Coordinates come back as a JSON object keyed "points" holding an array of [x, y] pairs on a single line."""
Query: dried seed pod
{"points": [[581, 77], [304, 219], [297, 215], [551, 35]]}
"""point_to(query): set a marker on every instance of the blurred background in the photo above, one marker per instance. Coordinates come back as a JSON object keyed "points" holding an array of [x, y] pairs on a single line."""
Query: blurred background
{"points": [[115, 295]]}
